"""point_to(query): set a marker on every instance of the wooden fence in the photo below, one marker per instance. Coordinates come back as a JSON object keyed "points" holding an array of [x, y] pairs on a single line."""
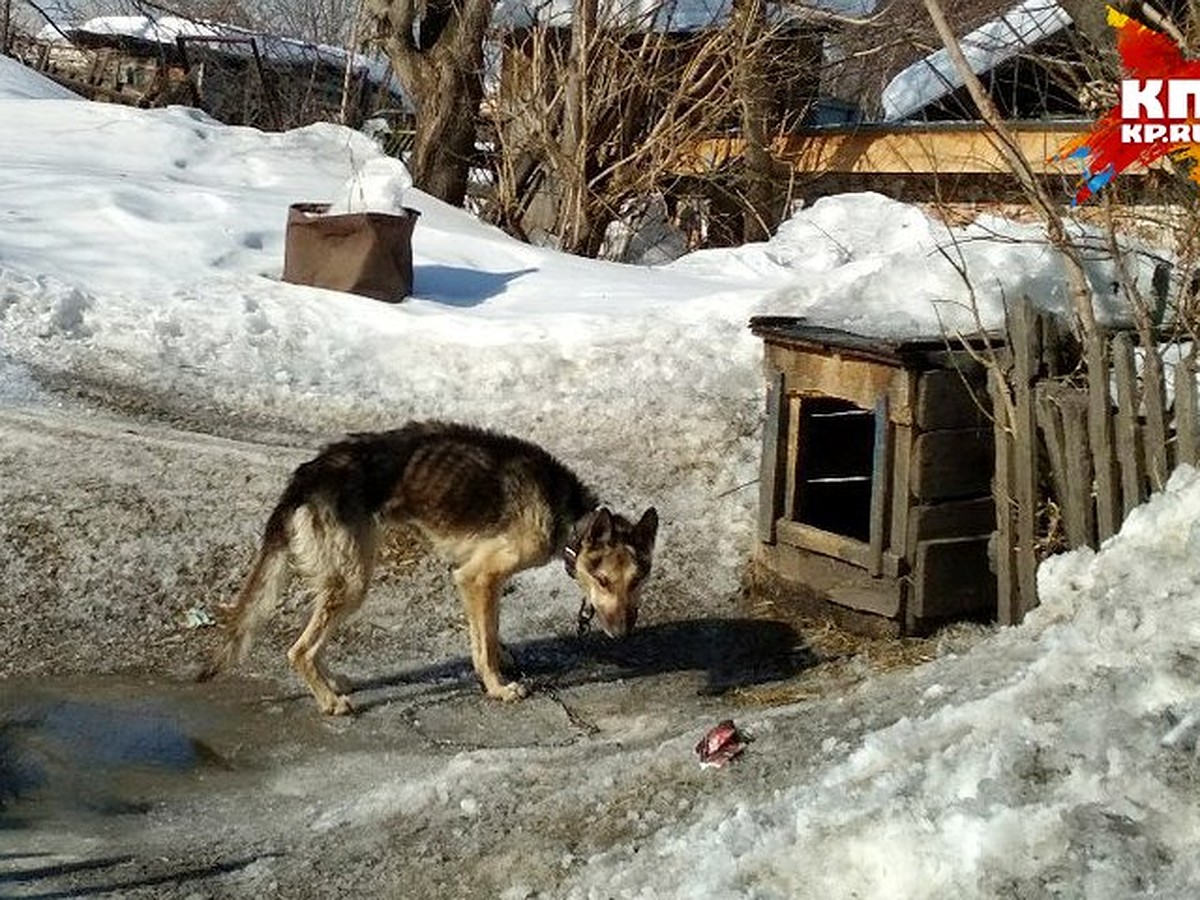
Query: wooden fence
{"points": [[1081, 439]]}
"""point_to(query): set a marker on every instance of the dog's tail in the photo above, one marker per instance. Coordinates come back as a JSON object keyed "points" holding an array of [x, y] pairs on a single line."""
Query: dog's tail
{"points": [[260, 595]]}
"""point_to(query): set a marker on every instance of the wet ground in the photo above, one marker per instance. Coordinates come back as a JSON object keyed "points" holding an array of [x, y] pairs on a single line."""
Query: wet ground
{"points": [[119, 776], [94, 770]]}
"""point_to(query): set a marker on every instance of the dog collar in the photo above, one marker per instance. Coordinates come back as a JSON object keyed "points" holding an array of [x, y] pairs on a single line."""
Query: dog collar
{"points": [[571, 550]]}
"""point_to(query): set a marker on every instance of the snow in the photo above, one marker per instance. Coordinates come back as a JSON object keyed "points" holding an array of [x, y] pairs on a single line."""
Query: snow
{"points": [[22, 83], [668, 15], [168, 29], [1058, 758], [162, 30], [933, 77], [1057, 762]]}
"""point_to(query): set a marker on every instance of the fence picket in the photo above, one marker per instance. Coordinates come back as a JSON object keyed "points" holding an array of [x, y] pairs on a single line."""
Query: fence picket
{"points": [[1100, 438], [1105, 453], [1008, 605], [1154, 404], [1185, 410], [1130, 453]]}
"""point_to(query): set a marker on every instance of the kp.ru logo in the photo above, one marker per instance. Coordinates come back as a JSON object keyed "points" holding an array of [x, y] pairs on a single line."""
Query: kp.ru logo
{"points": [[1159, 112]]}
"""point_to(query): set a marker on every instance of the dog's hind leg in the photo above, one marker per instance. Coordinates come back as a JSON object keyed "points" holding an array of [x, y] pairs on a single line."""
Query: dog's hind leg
{"points": [[330, 608], [479, 582], [337, 565]]}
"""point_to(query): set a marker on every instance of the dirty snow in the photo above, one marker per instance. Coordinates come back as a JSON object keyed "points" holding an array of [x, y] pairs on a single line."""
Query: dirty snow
{"points": [[933, 77], [140, 253], [168, 29]]}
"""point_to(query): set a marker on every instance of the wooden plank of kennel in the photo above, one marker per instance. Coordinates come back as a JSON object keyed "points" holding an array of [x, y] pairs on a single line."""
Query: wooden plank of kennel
{"points": [[925, 513], [771, 479]]}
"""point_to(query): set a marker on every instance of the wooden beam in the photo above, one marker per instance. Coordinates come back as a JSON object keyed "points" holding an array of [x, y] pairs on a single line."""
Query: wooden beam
{"points": [[951, 579], [770, 483], [855, 380], [881, 470], [1100, 436], [928, 150], [837, 546]]}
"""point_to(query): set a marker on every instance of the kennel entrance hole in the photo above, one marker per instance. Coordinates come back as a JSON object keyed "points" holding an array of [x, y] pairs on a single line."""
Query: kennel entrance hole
{"points": [[834, 467]]}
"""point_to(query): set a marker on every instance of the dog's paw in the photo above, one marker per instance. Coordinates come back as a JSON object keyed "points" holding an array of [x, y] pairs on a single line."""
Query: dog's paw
{"points": [[341, 706], [509, 693]]}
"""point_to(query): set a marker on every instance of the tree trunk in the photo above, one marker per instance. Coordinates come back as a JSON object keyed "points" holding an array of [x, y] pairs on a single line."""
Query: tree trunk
{"points": [[573, 224], [444, 143], [762, 171], [436, 49]]}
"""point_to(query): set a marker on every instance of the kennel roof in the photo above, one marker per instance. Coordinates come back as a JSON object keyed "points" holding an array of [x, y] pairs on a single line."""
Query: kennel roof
{"points": [[931, 352]]}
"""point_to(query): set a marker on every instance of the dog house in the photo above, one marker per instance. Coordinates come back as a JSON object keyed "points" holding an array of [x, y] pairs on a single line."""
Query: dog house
{"points": [[875, 490]]}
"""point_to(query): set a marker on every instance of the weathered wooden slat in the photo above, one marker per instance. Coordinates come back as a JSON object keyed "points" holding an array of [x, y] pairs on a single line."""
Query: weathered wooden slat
{"points": [[1129, 449], [952, 463], [1008, 602], [1100, 438], [902, 443], [1051, 333], [1049, 422], [945, 399], [1068, 455], [837, 546], [962, 518], [791, 455], [951, 579], [771, 472], [855, 380], [1026, 364], [1154, 403], [832, 579], [1186, 447], [1080, 508], [880, 487]]}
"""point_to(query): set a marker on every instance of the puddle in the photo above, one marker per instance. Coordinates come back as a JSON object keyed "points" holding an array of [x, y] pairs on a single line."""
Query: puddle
{"points": [[105, 756], [116, 745]]}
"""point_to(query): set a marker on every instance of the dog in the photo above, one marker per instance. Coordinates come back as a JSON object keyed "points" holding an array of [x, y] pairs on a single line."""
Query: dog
{"points": [[488, 503]]}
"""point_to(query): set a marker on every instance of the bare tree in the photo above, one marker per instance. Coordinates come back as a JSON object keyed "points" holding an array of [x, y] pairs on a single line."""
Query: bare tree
{"points": [[619, 107], [320, 21], [752, 89], [436, 49]]}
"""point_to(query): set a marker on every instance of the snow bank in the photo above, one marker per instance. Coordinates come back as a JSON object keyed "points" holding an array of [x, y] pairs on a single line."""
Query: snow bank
{"points": [[872, 265], [19, 82], [1058, 758]]}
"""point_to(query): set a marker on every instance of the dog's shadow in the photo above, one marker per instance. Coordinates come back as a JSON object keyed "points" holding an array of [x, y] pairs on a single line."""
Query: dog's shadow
{"points": [[732, 653]]}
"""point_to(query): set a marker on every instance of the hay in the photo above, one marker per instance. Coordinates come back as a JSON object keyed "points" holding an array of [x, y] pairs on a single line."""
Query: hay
{"points": [[847, 658]]}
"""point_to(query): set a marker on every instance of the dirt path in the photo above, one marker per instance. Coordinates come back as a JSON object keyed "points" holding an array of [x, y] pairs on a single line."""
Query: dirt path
{"points": [[118, 775]]}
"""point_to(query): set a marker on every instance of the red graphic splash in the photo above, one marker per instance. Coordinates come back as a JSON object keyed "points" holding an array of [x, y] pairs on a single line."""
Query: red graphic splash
{"points": [[1146, 54]]}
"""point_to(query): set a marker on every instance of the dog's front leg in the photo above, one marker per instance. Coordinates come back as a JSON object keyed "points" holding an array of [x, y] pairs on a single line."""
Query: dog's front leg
{"points": [[480, 592]]}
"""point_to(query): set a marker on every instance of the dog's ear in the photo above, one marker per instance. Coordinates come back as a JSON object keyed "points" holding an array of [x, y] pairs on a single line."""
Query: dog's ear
{"points": [[646, 529], [599, 530]]}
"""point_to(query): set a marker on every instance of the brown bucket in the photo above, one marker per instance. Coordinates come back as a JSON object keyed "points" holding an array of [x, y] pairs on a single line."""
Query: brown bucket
{"points": [[366, 253]]}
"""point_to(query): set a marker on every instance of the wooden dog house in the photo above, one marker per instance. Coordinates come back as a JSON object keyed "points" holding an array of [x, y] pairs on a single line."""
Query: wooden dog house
{"points": [[875, 492]]}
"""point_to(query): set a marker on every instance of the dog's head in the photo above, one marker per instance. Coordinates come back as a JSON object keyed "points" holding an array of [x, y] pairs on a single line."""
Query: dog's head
{"points": [[612, 559]]}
